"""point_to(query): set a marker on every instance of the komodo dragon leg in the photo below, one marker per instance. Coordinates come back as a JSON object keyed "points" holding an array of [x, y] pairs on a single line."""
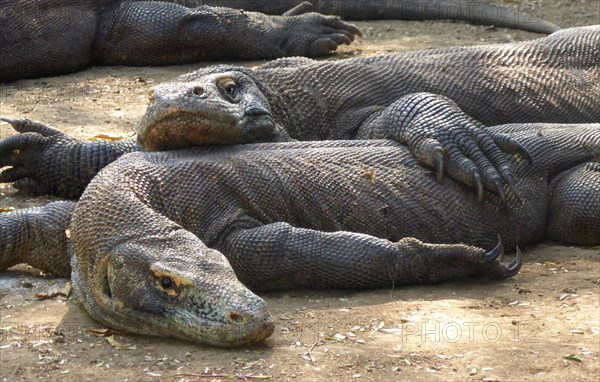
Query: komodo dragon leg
{"points": [[442, 136], [37, 236], [41, 38], [45, 160], [177, 34], [295, 259]]}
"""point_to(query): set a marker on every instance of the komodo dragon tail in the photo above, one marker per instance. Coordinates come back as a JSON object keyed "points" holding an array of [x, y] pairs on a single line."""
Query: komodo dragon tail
{"points": [[476, 12]]}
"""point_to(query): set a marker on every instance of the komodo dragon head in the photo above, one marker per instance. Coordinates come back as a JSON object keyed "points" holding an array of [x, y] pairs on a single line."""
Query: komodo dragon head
{"points": [[171, 286], [217, 105]]}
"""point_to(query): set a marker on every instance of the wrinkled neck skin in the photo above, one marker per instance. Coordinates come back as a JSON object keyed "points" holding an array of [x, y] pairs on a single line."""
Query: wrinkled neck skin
{"points": [[202, 301]]}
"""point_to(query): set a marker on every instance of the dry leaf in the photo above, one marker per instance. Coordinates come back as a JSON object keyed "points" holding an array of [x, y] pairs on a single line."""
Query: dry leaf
{"points": [[572, 357], [6, 209], [116, 344], [102, 332], [106, 137]]}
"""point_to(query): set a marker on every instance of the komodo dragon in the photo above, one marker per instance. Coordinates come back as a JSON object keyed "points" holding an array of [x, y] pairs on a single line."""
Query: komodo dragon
{"points": [[552, 79], [42, 38], [156, 238]]}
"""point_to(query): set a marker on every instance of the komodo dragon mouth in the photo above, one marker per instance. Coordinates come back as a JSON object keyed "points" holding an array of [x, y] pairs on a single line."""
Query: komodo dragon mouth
{"points": [[178, 129], [220, 108]]}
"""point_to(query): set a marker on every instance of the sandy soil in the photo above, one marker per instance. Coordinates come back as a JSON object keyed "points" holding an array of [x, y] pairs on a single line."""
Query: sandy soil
{"points": [[520, 329]]}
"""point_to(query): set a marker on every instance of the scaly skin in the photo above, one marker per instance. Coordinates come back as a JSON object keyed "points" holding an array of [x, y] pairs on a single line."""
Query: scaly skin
{"points": [[43, 38], [156, 237], [414, 98], [552, 79], [485, 12]]}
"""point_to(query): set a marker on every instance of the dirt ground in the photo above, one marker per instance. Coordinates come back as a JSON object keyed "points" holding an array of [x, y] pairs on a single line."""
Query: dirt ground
{"points": [[543, 324]]}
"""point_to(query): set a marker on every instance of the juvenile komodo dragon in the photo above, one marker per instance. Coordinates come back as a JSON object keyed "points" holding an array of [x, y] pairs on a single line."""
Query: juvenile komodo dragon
{"points": [[42, 38], [153, 243], [552, 79]]}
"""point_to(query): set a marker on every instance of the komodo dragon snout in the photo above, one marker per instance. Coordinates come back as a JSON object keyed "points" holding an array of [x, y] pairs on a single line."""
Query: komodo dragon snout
{"points": [[177, 287], [216, 108]]}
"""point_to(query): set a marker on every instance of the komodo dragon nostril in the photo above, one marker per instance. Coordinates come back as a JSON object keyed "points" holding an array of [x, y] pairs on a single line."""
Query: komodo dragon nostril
{"points": [[236, 317]]}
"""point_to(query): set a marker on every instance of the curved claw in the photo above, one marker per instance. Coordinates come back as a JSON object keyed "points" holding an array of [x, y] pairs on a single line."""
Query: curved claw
{"points": [[337, 23], [515, 265], [523, 152], [495, 254], [500, 190], [510, 180], [13, 174]]}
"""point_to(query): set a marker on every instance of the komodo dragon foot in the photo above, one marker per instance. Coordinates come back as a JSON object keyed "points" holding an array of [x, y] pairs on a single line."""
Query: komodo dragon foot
{"points": [[44, 160], [442, 136]]}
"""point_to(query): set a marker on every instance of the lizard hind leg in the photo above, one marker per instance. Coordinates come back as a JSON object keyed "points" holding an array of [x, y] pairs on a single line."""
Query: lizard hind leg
{"points": [[574, 215]]}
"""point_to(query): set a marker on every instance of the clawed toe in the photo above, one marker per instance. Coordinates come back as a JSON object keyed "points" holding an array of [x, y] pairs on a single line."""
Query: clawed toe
{"points": [[28, 126], [524, 152], [495, 254], [515, 265], [302, 8], [500, 190], [499, 269]]}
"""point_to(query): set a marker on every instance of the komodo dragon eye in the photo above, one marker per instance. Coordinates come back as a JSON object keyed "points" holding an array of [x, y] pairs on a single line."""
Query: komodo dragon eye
{"points": [[166, 282], [229, 87]]}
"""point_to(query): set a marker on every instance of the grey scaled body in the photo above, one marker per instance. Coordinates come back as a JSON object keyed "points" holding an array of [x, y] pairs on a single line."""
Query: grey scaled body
{"points": [[154, 235]]}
